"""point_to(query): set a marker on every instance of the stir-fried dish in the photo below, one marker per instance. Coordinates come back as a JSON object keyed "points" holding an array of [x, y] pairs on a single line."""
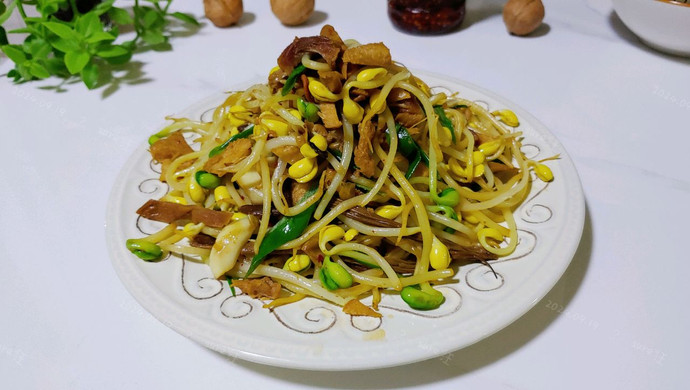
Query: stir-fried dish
{"points": [[342, 177]]}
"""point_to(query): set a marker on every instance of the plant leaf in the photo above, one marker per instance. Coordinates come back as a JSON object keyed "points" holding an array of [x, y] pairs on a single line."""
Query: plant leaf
{"points": [[63, 45], [187, 18], [90, 75], [152, 18], [120, 16], [2, 8], [15, 53], [39, 48], [100, 36], [56, 66], [88, 24], [76, 60], [62, 30], [39, 70]]}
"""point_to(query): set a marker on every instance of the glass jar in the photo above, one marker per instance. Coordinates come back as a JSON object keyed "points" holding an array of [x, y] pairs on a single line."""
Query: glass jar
{"points": [[426, 16]]}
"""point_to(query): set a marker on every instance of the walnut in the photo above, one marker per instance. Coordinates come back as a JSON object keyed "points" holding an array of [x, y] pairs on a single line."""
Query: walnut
{"points": [[521, 17], [292, 12], [223, 13]]}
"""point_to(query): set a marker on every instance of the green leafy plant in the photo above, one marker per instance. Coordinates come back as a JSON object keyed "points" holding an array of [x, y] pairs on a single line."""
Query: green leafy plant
{"points": [[79, 38]]}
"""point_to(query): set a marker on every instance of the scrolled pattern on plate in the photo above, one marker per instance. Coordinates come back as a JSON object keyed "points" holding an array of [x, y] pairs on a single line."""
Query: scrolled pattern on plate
{"points": [[483, 278], [145, 226], [236, 306], [483, 104], [199, 288], [155, 166], [314, 320], [366, 324], [531, 151], [207, 116], [154, 187], [532, 212]]}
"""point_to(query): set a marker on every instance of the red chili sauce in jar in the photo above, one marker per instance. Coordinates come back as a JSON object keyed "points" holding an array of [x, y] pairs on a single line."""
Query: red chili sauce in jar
{"points": [[426, 16]]}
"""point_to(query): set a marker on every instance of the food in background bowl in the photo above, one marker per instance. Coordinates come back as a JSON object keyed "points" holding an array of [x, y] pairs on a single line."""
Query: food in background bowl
{"points": [[661, 24]]}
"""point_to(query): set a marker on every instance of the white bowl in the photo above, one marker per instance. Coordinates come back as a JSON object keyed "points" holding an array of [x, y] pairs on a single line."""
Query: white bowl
{"points": [[661, 24]]}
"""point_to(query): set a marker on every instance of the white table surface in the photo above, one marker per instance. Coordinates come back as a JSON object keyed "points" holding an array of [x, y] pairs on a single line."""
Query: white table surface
{"points": [[618, 318]]}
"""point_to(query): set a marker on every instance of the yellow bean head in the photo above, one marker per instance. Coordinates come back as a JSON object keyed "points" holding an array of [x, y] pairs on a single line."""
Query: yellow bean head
{"points": [[439, 257], [371, 73], [508, 117]]}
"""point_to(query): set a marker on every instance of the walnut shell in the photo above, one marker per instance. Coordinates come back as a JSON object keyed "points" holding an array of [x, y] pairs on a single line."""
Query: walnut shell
{"points": [[521, 17], [292, 12], [223, 13]]}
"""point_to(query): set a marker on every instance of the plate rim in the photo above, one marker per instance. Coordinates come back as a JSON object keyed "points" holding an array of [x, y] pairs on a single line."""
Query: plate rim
{"points": [[160, 306]]}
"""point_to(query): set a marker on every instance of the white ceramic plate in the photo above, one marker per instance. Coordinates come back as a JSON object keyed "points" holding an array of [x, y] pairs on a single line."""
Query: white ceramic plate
{"points": [[315, 335]]}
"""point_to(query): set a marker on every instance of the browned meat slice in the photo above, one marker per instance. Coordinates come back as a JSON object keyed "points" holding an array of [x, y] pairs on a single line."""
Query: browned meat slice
{"points": [[397, 94], [311, 249], [332, 80], [167, 212], [305, 88], [170, 212], [359, 94], [211, 218], [167, 149], [409, 120], [234, 153], [257, 210], [329, 32], [506, 175], [502, 172], [258, 288], [374, 54], [202, 240], [363, 152], [347, 190], [408, 112], [276, 80], [328, 176], [289, 154], [170, 147], [356, 308], [298, 191], [329, 115], [292, 55], [349, 69], [497, 167], [480, 138], [316, 128]]}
